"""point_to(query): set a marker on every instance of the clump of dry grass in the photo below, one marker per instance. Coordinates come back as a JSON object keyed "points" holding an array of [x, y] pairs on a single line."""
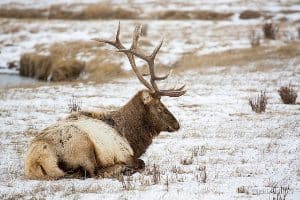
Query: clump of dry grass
{"points": [[254, 38], [48, 68], [270, 30], [288, 94], [197, 14], [23, 13], [242, 189], [74, 105], [259, 103], [92, 11], [155, 173], [202, 175], [62, 63], [34, 65], [250, 14], [126, 182], [187, 161], [239, 57]]}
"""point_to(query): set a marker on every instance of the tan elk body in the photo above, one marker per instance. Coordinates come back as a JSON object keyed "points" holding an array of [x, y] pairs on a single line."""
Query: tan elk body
{"points": [[105, 143]]}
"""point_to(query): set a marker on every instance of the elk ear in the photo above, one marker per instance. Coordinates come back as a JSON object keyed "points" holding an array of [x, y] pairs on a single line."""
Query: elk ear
{"points": [[146, 97]]}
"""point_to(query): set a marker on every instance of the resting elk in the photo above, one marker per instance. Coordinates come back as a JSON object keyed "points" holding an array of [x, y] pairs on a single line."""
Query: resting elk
{"points": [[107, 143]]}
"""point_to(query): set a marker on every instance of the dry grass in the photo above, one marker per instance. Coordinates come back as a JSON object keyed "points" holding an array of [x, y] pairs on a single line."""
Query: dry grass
{"points": [[92, 11], [62, 63], [288, 94], [23, 13], [250, 14], [239, 57], [258, 104], [254, 38], [107, 11], [197, 14], [270, 30], [49, 68]]}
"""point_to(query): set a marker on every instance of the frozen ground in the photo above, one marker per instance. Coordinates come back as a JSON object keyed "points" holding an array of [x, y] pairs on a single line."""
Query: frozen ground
{"points": [[239, 148]]}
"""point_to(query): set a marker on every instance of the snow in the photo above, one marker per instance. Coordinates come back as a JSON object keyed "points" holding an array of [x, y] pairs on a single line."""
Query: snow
{"points": [[218, 130], [238, 148]]}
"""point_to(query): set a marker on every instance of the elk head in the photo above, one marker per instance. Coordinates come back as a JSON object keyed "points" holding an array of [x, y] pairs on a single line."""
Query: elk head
{"points": [[156, 113]]}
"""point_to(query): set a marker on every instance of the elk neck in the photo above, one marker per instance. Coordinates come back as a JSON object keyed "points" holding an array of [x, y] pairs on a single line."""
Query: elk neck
{"points": [[131, 122]]}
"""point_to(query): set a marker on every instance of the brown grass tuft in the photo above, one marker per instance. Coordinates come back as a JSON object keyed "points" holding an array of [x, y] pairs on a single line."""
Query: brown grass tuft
{"points": [[259, 103], [250, 14], [48, 68], [74, 105], [92, 11], [288, 94], [270, 30], [254, 38], [34, 65], [197, 14], [239, 57], [23, 13], [62, 63]]}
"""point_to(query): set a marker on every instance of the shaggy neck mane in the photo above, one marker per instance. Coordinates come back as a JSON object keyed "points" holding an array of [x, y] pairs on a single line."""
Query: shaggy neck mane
{"points": [[131, 122]]}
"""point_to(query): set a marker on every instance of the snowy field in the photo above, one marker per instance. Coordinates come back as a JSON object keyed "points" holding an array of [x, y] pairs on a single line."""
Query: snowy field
{"points": [[237, 147], [243, 154]]}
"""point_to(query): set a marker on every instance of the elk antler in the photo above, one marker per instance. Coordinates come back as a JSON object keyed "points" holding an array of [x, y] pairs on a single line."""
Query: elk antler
{"points": [[134, 51]]}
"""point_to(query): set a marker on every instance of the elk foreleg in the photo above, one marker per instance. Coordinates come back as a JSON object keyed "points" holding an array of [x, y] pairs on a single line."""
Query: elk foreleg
{"points": [[118, 169]]}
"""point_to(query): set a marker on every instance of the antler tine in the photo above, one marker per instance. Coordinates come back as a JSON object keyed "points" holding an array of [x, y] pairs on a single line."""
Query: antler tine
{"points": [[117, 44], [177, 89], [150, 60], [136, 35], [173, 93], [134, 51]]}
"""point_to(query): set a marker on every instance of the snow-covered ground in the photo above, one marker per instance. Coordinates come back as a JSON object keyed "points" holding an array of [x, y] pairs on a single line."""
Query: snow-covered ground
{"points": [[245, 155], [238, 148], [21, 36]]}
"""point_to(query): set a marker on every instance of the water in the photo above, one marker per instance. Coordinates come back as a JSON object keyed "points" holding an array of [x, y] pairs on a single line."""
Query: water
{"points": [[14, 80]]}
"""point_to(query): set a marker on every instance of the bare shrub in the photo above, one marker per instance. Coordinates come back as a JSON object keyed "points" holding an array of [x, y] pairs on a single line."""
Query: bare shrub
{"points": [[254, 38], [155, 174], [242, 189], [198, 151], [74, 104], [288, 94], [202, 175], [259, 103], [270, 30], [250, 14], [126, 182], [279, 193], [187, 161]]}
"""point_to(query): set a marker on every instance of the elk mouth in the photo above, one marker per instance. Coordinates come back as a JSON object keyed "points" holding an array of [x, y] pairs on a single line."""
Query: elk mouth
{"points": [[173, 128]]}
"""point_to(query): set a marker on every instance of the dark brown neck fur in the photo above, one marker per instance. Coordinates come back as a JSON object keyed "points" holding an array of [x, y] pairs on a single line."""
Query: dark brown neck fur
{"points": [[131, 122]]}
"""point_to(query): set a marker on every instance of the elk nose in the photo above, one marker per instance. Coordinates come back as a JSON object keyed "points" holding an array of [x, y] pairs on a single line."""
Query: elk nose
{"points": [[177, 126], [174, 127]]}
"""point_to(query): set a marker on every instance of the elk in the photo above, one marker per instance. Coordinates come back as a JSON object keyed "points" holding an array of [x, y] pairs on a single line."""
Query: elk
{"points": [[106, 143]]}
